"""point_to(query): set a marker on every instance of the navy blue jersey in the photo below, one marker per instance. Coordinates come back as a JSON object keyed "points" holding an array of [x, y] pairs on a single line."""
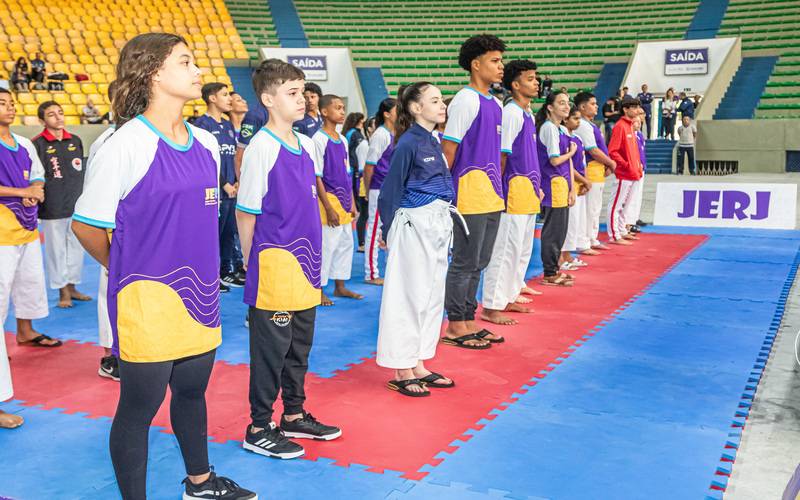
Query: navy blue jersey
{"points": [[226, 137], [254, 120], [308, 125], [418, 175]]}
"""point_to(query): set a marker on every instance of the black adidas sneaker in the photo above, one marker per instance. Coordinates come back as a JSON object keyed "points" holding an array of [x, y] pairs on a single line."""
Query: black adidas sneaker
{"points": [[272, 443], [309, 427], [216, 488]]}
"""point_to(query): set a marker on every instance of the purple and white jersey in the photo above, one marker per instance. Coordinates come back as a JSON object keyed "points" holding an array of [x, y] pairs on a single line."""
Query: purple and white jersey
{"points": [[552, 142], [592, 138], [162, 201], [521, 177], [336, 175], [19, 166], [475, 123], [640, 140], [381, 146], [279, 186]]}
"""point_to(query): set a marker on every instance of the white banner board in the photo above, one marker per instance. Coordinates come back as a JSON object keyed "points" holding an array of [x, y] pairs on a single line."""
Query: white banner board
{"points": [[707, 204], [331, 68], [685, 65]]}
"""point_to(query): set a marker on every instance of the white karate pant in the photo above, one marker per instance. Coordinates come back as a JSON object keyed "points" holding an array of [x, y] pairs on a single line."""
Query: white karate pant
{"points": [[594, 205], [21, 281], [576, 230], [103, 321], [624, 193], [505, 275], [412, 304], [634, 208], [372, 237], [63, 253], [337, 252]]}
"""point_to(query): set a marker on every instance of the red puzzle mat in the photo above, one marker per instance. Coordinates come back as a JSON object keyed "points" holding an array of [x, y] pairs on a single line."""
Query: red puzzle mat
{"points": [[382, 429]]}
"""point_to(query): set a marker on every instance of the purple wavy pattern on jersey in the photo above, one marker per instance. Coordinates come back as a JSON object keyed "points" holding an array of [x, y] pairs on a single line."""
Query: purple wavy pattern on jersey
{"points": [[201, 299], [309, 260], [25, 215], [492, 172], [344, 197]]}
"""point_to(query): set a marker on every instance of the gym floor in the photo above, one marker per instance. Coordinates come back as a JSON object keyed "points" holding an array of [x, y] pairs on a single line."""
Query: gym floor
{"points": [[635, 383]]}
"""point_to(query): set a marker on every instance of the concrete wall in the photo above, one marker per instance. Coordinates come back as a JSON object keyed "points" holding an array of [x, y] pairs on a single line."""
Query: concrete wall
{"points": [[758, 145], [722, 80], [87, 133]]}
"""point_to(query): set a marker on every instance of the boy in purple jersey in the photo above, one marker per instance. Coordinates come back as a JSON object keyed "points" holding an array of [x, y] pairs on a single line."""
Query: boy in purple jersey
{"points": [[521, 186], [471, 146], [21, 271], [335, 193], [576, 239], [281, 233]]}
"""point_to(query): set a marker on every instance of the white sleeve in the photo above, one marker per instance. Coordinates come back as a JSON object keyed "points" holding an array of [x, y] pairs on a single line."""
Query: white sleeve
{"points": [[460, 114], [37, 169], [361, 154], [512, 125], [346, 153], [549, 136], [377, 145], [315, 154], [586, 134], [256, 163], [105, 184]]}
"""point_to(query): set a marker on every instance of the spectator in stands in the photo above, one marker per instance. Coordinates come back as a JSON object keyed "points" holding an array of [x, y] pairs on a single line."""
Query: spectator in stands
{"points": [[37, 71], [687, 136], [61, 154], [194, 117], [539, 92], [686, 106], [312, 121], [564, 90], [90, 114], [668, 109], [238, 110], [697, 99], [547, 86], [624, 93], [611, 113], [646, 100], [20, 76]]}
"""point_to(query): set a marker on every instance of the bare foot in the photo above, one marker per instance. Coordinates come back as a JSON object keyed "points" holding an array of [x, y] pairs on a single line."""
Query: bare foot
{"points": [[344, 292], [457, 329], [529, 291], [25, 336], [630, 237], [497, 317], [376, 281], [9, 420], [601, 246], [523, 300], [325, 300], [64, 298], [409, 374], [424, 372], [620, 242], [590, 251], [76, 295], [513, 307]]}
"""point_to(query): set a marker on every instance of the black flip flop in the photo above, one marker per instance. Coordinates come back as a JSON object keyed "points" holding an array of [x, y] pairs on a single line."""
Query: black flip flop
{"points": [[37, 342], [485, 333], [460, 341], [400, 386], [431, 381]]}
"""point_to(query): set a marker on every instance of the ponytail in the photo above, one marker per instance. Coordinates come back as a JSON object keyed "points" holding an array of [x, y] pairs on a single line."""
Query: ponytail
{"points": [[385, 107], [411, 93], [542, 114]]}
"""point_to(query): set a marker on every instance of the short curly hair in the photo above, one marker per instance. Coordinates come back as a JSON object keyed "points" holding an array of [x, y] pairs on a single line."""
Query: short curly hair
{"points": [[476, 46], [514, 69]]}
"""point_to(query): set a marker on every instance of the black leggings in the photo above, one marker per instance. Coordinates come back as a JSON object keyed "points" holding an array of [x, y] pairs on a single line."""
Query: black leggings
{"points": [[142, 390], [361, 223]]}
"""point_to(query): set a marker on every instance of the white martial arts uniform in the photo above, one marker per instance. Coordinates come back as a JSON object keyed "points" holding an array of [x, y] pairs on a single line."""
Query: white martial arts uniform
{"points": [[595, 173], [63, 253], [576, 230], [378, 155], [410, 322], [505, 275], [106, 338], [337, 253], [21, 271]]}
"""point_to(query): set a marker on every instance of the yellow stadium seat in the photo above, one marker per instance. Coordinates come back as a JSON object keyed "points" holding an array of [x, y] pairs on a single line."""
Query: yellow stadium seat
{"points": [[28, 120], [61, 98], [92, 68], [96, 98], [88, 88], [70, 58], [72, 120], [25, 98], [61, 67], [77, 68], [95, 50], [103, 108], [78, 99], [42, 97], [72, 88], [102, 88], [98, 78], [219, 71], [217, 63], [30, 109], [228, 54], [102, 59], [86, 58], [106, 68], [70, 110]]}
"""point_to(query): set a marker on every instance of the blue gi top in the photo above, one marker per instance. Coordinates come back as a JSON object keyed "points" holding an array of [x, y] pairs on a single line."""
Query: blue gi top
{"points": [[226, 137], [254, 120], [418, 175], [308, 125]]}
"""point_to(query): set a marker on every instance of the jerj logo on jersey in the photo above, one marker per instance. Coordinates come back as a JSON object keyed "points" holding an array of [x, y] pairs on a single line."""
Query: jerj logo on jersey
{"points": [[211, 196], [315, 67]]}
